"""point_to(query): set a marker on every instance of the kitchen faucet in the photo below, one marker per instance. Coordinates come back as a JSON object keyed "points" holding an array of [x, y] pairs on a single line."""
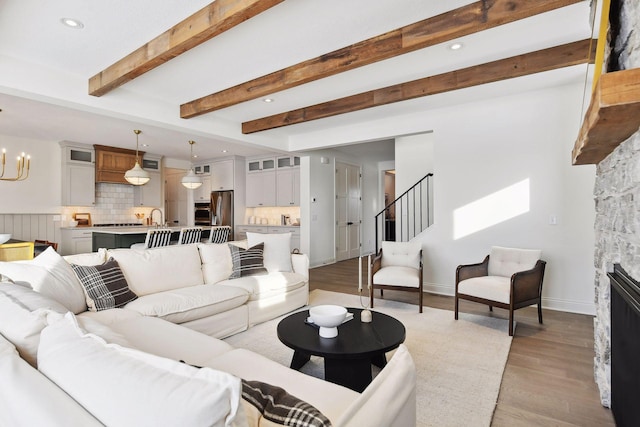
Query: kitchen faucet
{"points": [[161, 217]]}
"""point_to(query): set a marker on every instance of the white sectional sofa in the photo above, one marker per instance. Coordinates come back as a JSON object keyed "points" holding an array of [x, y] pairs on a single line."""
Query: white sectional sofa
{"points": [[159, 360]]}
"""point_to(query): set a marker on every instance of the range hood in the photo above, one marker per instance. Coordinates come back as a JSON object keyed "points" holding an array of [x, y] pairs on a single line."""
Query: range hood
{"points": [[113, 162]]}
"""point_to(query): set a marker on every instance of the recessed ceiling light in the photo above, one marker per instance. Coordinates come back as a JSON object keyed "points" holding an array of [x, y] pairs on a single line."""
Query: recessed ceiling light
{"points": [[72, 23], [145, 145], [267, 100], [455, 46], [195, 156], [224, 151]]}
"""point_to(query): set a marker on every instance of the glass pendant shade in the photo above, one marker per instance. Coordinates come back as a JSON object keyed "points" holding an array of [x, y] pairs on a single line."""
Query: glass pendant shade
{"points": [[137, 175], [191, 180]]}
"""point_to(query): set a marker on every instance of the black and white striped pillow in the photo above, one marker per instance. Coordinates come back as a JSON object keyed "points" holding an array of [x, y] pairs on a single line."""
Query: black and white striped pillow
{"points": [[247, 262], [105, 286]]}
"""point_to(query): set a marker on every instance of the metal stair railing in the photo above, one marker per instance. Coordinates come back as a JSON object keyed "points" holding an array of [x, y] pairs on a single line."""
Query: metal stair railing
{"points": [[408, 215]]}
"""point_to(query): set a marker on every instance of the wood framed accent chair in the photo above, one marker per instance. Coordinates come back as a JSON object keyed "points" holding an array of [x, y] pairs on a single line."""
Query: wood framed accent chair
{"points": [[508, 278], [190, 235], [398, 266], [219, 234], [47, 243]]}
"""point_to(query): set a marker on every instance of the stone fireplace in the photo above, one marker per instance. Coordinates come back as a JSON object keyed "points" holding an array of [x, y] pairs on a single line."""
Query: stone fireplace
{"points": [[617, 197]]}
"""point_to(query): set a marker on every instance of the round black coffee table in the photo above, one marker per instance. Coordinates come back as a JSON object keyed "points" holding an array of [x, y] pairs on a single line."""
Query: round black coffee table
{"points": [[347, 357]]}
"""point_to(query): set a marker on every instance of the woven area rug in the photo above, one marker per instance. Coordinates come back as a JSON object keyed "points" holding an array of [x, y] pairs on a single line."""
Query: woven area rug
{"points": [[459, 364]]}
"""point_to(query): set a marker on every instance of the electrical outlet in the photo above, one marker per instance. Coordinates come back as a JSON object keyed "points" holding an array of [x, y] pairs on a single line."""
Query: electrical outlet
{"points": [[553, 220]]}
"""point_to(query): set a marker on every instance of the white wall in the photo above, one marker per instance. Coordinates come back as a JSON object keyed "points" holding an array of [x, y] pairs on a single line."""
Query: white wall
{"points": [[41, 192], [414, 159], [483, 147]]}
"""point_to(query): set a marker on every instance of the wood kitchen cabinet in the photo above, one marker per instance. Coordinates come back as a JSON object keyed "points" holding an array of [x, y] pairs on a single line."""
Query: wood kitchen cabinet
{"points": [[113, 162], [78, 174]]}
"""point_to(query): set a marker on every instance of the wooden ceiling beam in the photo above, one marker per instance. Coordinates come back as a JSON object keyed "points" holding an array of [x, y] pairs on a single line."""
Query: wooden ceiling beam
{"points": [[475, 17], [208, 22], [517, 66]]}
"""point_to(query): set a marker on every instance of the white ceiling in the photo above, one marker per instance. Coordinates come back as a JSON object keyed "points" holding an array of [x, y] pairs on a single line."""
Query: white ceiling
{"points": [[45, 67]]}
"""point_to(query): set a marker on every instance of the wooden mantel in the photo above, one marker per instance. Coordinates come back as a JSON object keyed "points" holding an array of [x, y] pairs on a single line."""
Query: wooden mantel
{"points": [[613, 116]]}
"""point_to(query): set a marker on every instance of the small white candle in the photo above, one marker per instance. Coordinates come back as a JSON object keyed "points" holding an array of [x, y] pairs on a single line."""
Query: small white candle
{"points": [[360, 273]]}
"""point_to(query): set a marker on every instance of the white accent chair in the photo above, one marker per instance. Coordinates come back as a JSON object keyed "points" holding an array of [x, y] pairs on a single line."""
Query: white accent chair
{"points": [[219, 234], [190, 235], [398, 267], [508, 278]]}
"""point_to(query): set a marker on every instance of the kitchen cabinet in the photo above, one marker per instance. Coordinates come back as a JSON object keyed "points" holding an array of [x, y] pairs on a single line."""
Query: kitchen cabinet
{"points": [[261, 189], [78, 175], [150, 194], [288, 187], [75, 241], [202, 169], [288, 162], [222, 174], [203, 193], [259, 165], [113, 162]]}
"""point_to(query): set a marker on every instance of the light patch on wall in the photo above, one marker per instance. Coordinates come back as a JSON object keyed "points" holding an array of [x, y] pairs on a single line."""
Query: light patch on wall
{"points": [[491, 210]]}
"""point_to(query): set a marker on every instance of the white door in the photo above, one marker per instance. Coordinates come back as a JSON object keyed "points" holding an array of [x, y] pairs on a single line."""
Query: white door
{"points": [[348, 201]]}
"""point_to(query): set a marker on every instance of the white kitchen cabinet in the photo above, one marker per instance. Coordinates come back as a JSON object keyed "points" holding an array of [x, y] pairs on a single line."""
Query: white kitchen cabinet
{"points": [[261, 189], [75, 241], [78, 175], [288, 162], [202, 169], [222, 174], [288, 187], [259, 165], [203, 193]]}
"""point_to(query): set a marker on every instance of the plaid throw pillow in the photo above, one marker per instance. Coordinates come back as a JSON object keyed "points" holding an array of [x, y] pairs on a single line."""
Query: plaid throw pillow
{"points": [[247, 262], [104, 285], [277, 407]]}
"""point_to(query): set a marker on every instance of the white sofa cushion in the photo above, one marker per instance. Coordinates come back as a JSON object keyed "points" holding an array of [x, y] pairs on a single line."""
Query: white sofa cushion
{"points": [[191, 303], [28, 398], [397, 276], [406, 254], [51, 275], [265, 286], [23, 314], [90, 258], [216, 261], [160, 269], [277, 250], [127, 387], [507, 261], [494, 288], [393, 389]]}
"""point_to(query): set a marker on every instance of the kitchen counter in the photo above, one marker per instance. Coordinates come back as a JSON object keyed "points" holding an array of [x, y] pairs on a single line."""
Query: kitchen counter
{"points": [[124, 237]]}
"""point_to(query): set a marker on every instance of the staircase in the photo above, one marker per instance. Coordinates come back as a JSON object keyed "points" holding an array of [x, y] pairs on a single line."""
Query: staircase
{"points": [[408, 215]]}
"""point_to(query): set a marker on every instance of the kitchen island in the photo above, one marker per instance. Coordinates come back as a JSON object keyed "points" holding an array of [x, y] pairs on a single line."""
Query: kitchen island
{"points": [[124, 237]]}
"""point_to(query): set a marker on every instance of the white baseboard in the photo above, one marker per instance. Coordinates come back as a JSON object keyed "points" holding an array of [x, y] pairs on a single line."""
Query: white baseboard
{"points": [[313, 264], [570, 306]]}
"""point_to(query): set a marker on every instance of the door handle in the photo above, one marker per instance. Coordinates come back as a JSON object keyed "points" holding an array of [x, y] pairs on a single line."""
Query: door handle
{"points": [[349, 223]]}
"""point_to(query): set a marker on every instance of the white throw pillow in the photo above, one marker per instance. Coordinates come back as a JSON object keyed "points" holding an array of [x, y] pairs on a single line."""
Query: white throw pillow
{"points": [[126, 387], [51, 275], [88, 259], [277, 250], [216, 262], [23, 314]]}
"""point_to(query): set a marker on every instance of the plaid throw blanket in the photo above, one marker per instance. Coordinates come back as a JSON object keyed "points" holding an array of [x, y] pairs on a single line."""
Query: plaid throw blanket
{"points": [[277, 407]]}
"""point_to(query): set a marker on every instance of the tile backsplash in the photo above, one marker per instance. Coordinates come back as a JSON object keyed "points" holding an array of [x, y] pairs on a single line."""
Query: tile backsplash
{"points": [[272, 214], [114, 204]]}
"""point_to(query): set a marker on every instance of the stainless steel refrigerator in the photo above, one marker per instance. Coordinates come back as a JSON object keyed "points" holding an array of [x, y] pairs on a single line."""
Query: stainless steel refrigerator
{"points": [[222, 208]]}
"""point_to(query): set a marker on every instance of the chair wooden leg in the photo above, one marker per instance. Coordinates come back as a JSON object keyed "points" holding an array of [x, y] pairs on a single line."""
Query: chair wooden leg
{"points": [[421, 294], [381, 293], [371, 295], [510, 322], [455, 308], [540, 312], [490, 308]]}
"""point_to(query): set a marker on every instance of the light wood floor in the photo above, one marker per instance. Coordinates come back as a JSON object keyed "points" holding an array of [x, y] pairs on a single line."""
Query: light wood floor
{"points": [[548, 380]]}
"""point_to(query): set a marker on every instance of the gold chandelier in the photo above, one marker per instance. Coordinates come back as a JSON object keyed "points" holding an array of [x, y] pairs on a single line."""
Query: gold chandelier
{"points": [[22, 167]]}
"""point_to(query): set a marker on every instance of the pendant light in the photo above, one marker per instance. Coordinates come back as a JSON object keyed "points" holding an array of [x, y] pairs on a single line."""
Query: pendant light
{"points": [[191, 180], [137, 175]]}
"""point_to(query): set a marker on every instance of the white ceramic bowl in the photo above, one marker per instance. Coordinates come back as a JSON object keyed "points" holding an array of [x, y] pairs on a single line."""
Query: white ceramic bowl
{"points": [[328, 317], [4, 238], [72, 224]]}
